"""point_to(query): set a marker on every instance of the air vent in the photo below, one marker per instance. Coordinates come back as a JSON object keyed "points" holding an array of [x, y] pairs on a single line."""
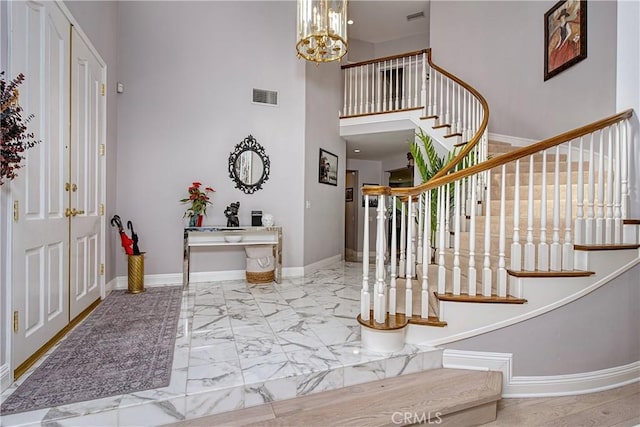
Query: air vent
{"points": [[266, 97], [416, 15]]}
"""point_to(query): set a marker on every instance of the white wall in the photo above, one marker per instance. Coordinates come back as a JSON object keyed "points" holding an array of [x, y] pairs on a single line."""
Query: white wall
{"points": [[404, 45], [595, 332], [188, 70], [497, 47], [324, 213], [628, 87]]}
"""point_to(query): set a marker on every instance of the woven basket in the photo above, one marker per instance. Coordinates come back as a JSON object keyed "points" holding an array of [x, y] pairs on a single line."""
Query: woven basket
{"points": [[261, 277]]}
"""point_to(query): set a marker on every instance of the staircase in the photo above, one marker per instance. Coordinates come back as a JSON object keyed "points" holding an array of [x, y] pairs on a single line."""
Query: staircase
{"points": [[519, 231]]}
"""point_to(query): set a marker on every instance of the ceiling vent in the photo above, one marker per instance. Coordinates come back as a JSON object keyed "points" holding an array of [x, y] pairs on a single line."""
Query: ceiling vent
{"points": [[265, 97], [416, 15]]}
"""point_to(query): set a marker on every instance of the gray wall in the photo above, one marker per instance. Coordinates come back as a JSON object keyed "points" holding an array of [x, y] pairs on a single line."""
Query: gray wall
{"points": [[99, 21], [597, 331], [324, 219], [497, 47], [189, 69], [369, 172]]}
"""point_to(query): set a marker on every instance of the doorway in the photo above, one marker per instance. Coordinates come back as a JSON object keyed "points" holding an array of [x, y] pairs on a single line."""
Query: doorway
{"points": [[351, 217]]}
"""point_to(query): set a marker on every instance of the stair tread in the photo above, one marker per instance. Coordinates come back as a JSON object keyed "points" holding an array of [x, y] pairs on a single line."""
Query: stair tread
{"points": [[605, 247], [493, 299], [442, 390], [538, 273]]}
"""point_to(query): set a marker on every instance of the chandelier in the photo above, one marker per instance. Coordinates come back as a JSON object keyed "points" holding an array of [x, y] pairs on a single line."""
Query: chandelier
{"points": [[322, 30]]}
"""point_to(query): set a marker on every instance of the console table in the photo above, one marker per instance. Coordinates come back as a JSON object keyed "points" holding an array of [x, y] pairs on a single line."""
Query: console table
{"points": [[232, 236]]}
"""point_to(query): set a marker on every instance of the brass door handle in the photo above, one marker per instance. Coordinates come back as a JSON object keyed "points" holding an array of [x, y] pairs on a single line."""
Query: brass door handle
{"points": [[67, 212], [74, 187]]}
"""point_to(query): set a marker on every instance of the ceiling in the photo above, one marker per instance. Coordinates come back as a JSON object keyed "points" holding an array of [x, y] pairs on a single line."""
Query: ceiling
{"points": [[379, 21]]}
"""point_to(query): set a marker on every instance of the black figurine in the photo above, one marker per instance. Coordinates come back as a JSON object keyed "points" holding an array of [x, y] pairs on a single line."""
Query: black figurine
{"points": [[231, 212]]}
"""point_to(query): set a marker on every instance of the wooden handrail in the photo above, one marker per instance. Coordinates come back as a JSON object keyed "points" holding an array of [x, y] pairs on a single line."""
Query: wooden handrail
{"points": [[483, 125], [385, 58], [501, 159]]}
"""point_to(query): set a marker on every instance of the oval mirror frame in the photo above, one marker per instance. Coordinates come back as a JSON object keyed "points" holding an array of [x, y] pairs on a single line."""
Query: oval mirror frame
{"points": [[241, 167]]}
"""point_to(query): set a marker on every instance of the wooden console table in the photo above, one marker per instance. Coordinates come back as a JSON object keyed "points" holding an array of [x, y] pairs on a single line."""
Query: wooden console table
{"points": [[232, 236]]}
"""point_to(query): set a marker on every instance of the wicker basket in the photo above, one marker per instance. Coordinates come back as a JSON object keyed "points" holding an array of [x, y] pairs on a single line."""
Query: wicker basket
{"points": [[261, 277]]}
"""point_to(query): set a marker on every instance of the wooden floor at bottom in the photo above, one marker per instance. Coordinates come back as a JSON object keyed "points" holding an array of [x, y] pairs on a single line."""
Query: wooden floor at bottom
{"points": [[619, 407]]}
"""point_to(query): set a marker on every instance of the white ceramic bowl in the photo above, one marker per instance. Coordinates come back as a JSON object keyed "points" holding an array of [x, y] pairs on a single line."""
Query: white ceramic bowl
{"points": [[232, 238]]}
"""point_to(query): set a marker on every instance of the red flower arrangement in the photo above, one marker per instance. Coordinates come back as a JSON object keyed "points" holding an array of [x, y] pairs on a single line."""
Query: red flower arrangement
{"points": [[199, 200]]}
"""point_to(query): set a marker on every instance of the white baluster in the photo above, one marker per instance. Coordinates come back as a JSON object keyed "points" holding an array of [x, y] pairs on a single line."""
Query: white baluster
{"points": [[394, 242], [555, 261], [579, 223], [441, 112], [589, 226], [414, 243], [421, 71], [433, 92], [408, 309], [543, 247], [396, 70], [502, 271], [624, 170], [600, 212], [447, 111], [403, 241], [472, 239], [385, 83], [456, 238], [426, 257], [617, 212], [516, 247], [609, 223], [362, 88], [346, 90], [486, 268], [529, 247], [447, 225], [421, 210], [403, 96], [365, 297], [379, 90], [380, 312], [409, 90], [365, 80], [441, 245], [567, 248]]}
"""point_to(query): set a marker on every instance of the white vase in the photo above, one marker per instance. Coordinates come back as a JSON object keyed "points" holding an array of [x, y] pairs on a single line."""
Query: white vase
{"points": [[267, 220]]}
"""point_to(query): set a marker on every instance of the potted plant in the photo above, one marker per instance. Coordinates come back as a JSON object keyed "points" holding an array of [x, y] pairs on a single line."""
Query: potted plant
{"points": [[15, 138], [199, 200]]}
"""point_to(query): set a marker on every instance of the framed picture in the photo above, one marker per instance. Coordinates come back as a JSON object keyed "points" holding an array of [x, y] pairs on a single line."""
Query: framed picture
{"points": [[328, 168], [373, 200], [565, 36], [348, 194]]}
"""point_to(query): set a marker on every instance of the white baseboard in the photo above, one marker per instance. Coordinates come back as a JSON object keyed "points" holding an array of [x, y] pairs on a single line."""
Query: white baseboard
{"points": [[513, 140], [540, 386], [5, 377], [173, 279]]}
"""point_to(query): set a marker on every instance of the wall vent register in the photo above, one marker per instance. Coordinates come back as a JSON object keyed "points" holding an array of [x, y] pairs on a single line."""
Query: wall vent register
{"points": [[267, 97]]}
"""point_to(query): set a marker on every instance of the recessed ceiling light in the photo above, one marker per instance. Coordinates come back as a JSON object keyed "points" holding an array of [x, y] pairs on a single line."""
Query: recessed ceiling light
{"points": [[350, 22], [356, 150]]}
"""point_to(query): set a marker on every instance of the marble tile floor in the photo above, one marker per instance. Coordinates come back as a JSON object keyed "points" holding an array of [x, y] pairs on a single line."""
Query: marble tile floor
{"points": [[240, 345]]}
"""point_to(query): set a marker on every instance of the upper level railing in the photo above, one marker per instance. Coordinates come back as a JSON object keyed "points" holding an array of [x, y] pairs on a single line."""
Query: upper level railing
{"points": [[534, 207], [411, 81]]}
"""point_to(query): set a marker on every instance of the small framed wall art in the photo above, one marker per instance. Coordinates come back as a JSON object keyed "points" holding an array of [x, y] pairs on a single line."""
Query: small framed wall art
{"points": [[328, 168], [565, 36]]}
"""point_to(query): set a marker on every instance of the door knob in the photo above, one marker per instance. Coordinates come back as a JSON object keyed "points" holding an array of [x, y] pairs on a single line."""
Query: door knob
{"points": [[67, 212]]}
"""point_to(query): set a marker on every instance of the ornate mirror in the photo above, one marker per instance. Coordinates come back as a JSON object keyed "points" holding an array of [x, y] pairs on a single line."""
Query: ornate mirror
{"points": [[249, 166]]}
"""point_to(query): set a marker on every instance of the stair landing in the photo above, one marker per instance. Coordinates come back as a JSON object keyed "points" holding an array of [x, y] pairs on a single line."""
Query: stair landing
{"points": [[441, 396]]}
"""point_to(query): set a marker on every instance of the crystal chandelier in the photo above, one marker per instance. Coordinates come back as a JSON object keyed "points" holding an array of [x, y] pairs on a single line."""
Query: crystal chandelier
{"points": [[322, 30]]}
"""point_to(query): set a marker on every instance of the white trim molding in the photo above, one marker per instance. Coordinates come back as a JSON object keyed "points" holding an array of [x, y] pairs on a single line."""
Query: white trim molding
{"points": [[175, 279], [5, 376], [541, 386]]}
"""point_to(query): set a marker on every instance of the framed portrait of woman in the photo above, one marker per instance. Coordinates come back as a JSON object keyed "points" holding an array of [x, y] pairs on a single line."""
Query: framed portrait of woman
{"points": [[565, 36]]}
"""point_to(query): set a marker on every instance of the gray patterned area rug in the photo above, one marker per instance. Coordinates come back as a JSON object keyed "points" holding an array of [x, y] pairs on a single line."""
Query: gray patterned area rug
{"points": [[125, 345]]}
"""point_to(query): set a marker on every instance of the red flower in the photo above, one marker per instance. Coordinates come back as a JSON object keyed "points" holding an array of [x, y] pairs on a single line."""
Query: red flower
{"points": [[198, 199]]}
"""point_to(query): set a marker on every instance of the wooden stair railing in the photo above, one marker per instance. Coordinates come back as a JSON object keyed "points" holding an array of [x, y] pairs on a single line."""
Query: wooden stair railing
{"points": [[584, 202]]}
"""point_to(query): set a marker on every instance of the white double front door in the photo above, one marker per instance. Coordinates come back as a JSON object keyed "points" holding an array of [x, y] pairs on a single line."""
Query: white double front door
{"points": [[57, 229]]}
